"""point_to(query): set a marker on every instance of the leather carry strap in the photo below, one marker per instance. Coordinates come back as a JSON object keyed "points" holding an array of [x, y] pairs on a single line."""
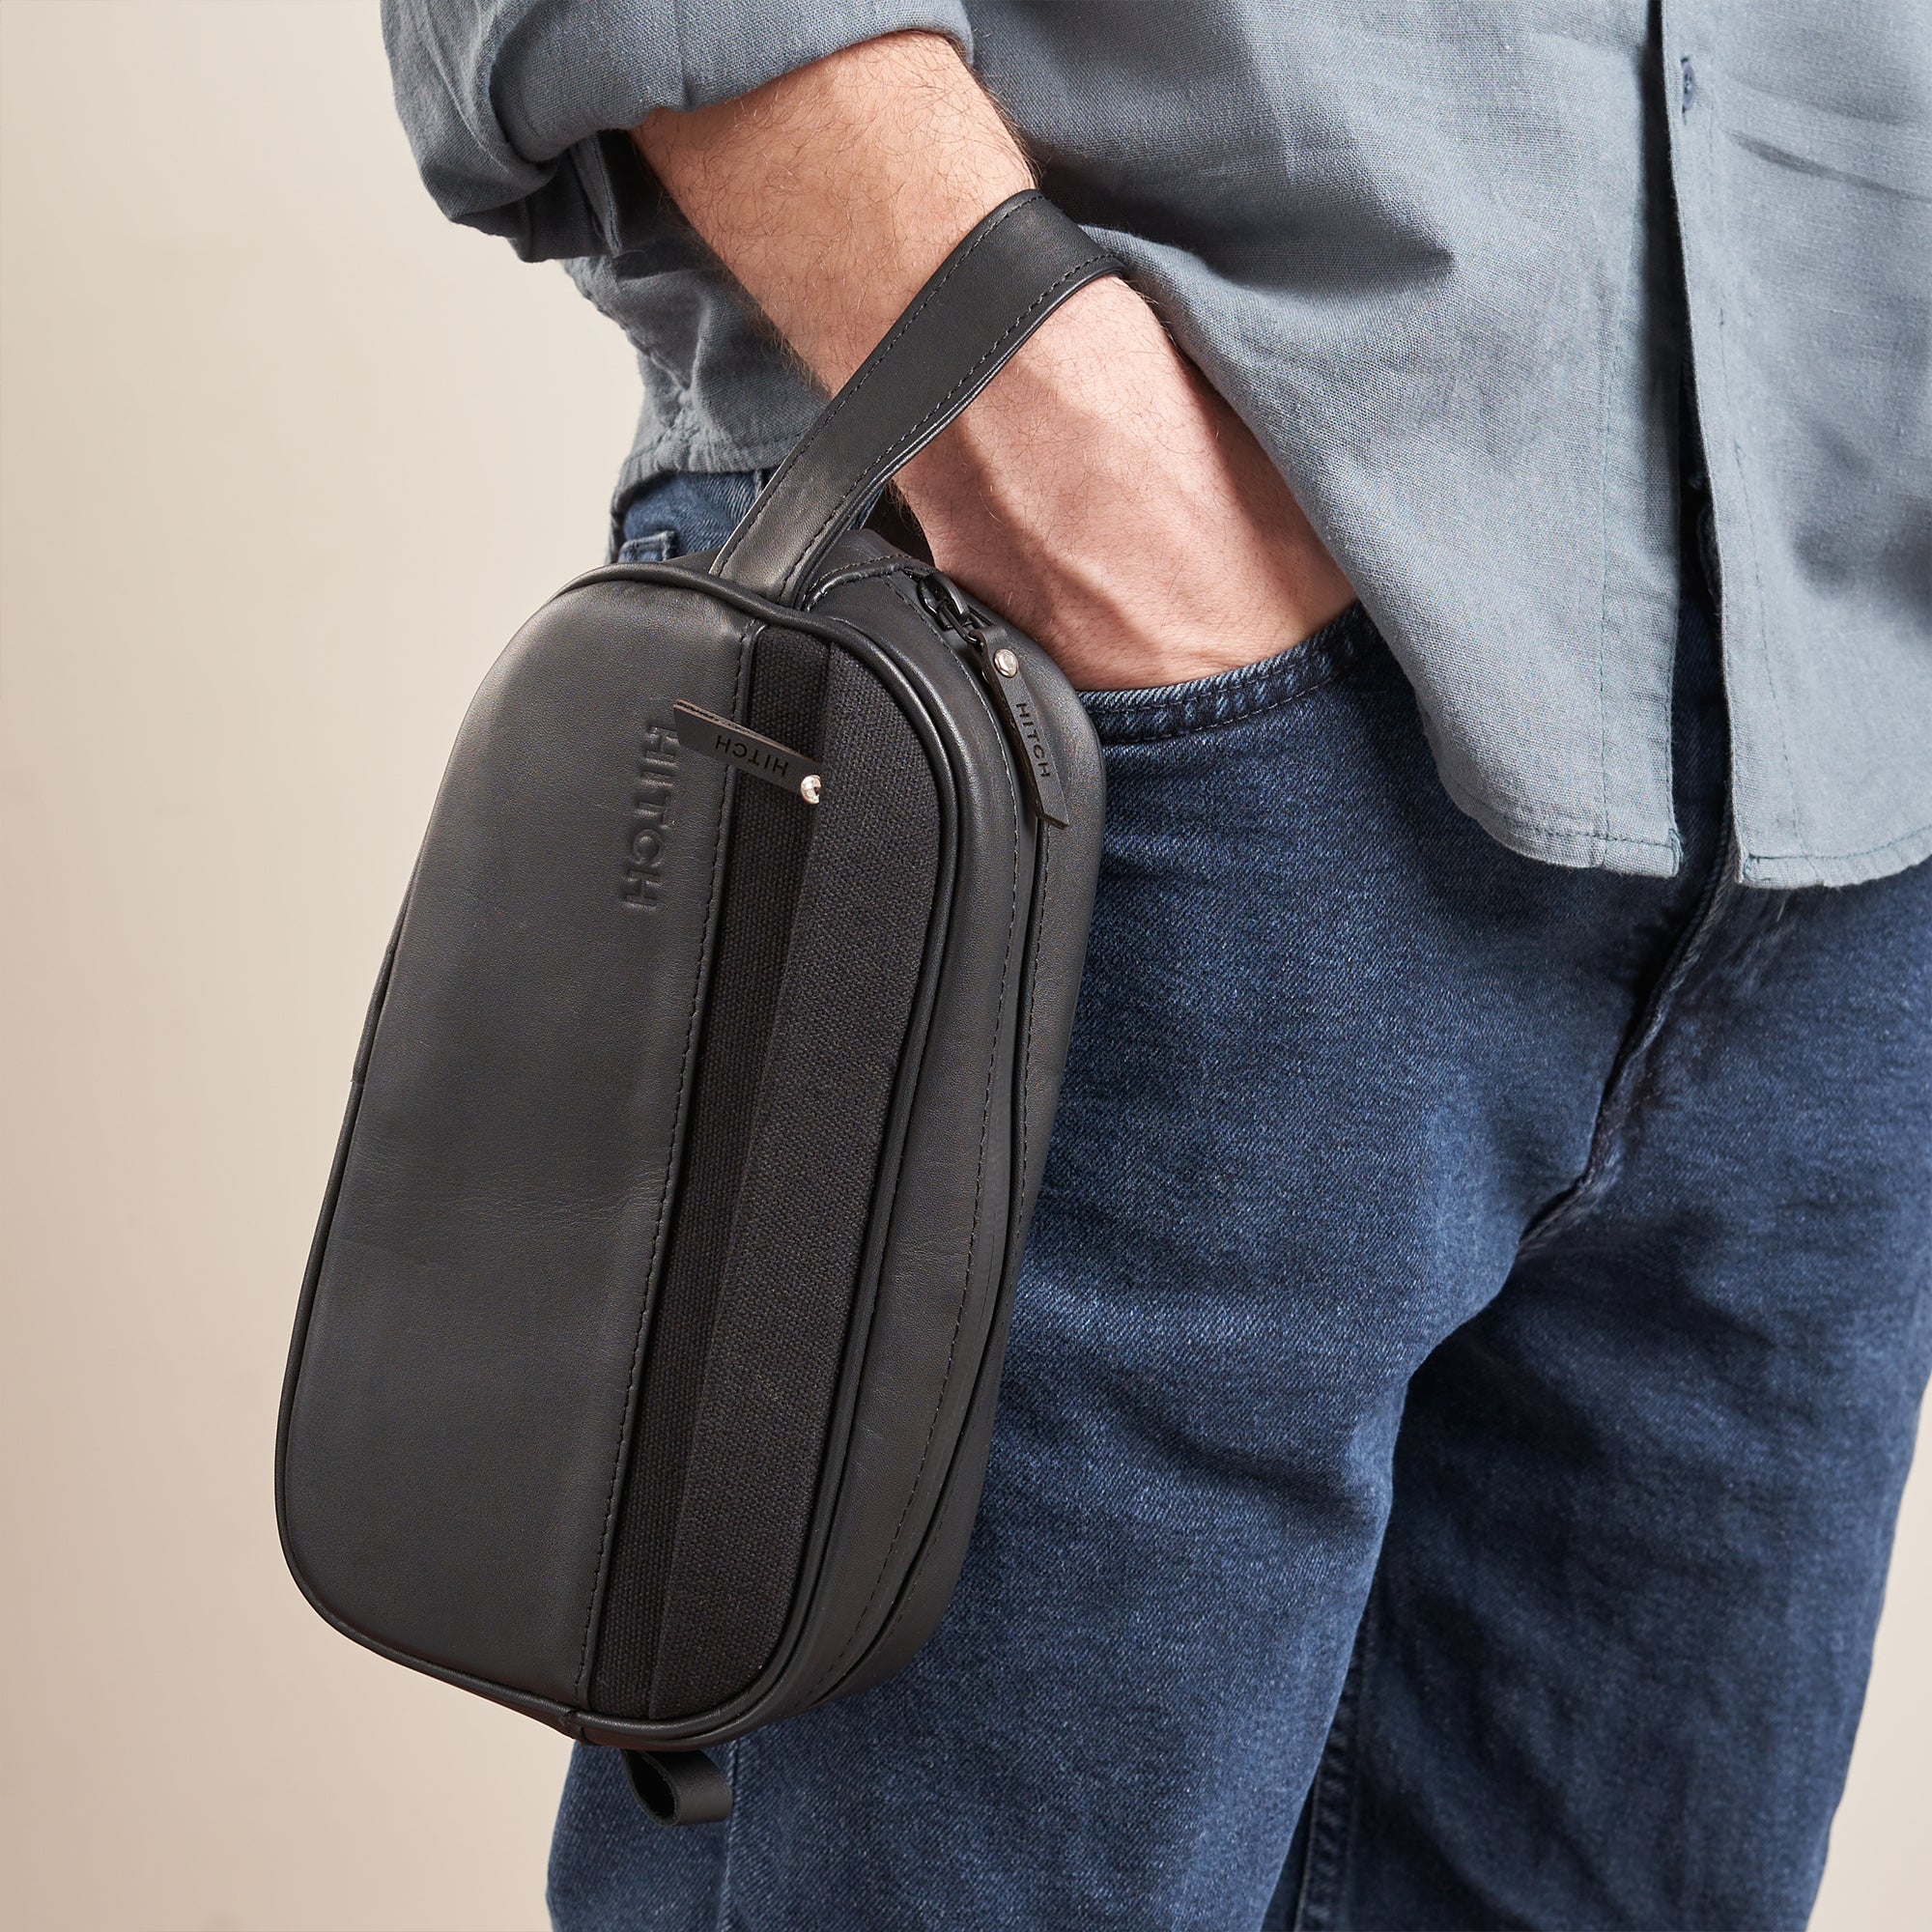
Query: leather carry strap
{"points": [[982, 301], [678, 1787]]}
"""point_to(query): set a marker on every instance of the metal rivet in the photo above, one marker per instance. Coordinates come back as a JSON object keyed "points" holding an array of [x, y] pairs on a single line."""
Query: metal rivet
{"points": [[809, 787], [1006, 663]]}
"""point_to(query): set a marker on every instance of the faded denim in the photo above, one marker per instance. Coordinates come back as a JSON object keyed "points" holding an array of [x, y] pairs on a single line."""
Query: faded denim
{"points": [[1464, 1369]]}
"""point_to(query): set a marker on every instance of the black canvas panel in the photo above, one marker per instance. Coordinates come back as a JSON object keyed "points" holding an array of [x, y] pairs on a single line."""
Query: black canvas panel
{"points": [[785, 1304], [770, 837]]}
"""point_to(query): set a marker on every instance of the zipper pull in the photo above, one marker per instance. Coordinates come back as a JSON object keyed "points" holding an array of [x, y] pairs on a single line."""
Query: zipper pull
{"points": [[746, 751], [1005, 676]]}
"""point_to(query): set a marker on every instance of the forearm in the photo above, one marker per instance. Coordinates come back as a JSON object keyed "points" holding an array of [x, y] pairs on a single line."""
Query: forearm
{"points": [[831, 194]]}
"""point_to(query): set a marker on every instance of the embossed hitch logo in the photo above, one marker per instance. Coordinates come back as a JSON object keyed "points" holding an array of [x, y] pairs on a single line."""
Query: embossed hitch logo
{"points": [[650, 816]]}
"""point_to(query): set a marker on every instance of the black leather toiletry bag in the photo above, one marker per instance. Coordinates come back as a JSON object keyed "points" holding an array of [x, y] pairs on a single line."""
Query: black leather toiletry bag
{"points": [[646, 1362]]}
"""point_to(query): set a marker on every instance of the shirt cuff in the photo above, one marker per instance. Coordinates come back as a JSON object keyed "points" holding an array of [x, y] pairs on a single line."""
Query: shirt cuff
{"points": [[516, 109]]}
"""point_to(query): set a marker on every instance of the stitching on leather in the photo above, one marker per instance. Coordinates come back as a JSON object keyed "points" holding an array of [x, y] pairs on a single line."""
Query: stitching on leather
{"points": [[896, 580], [872, 362], [663, 1219], [1033, 998], [896, 568], [876, 361], [1000, 349], [1176, 711], [898, 1616], [872, 366], [838, 1669]]}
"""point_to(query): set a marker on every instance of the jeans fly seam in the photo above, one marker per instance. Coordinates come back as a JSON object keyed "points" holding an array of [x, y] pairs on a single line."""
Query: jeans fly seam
{"points": [[1634, 1055]]}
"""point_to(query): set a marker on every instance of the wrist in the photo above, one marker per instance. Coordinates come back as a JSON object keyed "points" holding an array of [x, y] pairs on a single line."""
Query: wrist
{"points": [[1101, 375]]}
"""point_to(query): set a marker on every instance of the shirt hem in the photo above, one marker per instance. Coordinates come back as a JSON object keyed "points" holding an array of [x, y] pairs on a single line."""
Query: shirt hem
{"points": [[1788, 871], [1580, 848]]}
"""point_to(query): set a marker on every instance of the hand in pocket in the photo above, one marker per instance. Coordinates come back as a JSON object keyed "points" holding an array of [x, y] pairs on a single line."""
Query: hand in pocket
{"points": [[1101, 495]]}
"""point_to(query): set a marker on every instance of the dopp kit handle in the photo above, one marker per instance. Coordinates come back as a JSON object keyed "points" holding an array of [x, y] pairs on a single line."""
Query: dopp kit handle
{"points": [[1014, 268]]}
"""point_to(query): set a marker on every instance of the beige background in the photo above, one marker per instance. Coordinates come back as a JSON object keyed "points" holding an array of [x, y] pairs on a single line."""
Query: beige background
{"points": [[286, 461]]}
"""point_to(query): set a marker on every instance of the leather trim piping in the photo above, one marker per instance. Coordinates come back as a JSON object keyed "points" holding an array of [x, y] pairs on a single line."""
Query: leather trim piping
{"points": [[312, 1274], [1010, 1275], [673, 1169]]}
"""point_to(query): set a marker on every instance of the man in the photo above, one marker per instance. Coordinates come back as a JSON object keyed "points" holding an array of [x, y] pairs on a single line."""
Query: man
{"points": [[1471, 1344]]}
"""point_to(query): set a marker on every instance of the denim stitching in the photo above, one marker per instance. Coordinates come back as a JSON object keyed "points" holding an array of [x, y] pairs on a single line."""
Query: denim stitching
{"points": [[1331, 1797], [1637, 1052], [1230, 697], [734, 1773], [656, 548]]}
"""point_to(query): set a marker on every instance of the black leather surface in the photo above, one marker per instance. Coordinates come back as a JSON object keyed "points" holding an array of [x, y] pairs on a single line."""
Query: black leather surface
{"points": [[1004, 278], [948, 1238], [678, 1787], [908, 1449], [811, 1178], [773, 834], [465, 1373]]}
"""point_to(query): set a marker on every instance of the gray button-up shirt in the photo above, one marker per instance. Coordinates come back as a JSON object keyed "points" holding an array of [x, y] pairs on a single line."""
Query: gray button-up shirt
{"points": [[1435, 253]]}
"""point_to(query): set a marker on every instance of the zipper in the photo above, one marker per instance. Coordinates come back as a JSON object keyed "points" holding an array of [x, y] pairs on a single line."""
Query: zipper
{"points": [[1715, 902], [989, 649]]}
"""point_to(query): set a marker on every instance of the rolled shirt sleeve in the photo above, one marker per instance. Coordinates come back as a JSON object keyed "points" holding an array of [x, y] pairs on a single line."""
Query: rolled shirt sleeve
{"points": [[516, 109]]}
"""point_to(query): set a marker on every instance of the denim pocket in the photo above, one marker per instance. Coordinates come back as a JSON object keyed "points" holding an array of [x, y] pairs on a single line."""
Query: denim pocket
{"points": [[1228, 697], [654, 546], [682, 512]]}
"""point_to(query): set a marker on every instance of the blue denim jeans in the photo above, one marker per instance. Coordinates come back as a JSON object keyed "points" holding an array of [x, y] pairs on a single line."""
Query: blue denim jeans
{"points": [[1464, 1369]]}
